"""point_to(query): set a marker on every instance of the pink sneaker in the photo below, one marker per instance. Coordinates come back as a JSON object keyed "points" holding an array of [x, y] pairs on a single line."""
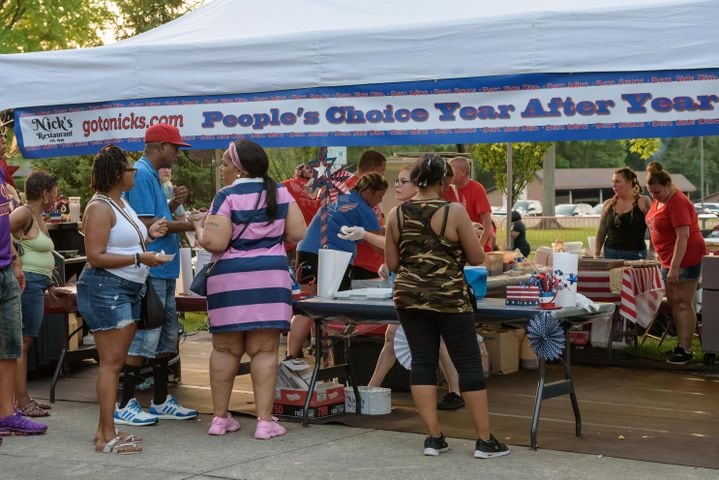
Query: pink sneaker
{"points": [[268, 429], [221, 426]]}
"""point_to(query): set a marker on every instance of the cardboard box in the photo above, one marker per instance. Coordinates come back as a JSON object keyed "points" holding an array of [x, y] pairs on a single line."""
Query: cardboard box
{"points": [[327, 399], [73, 323], [294, 374], [375, 400], [527, 358], [522, 295], [503, 348]]}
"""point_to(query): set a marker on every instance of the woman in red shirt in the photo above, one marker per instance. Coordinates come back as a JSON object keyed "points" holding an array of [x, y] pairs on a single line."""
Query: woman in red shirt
{"points": [[679, 245]]}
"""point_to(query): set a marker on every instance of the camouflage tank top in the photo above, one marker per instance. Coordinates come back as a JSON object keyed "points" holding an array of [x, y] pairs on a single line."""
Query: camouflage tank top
{"points": [[430, 275]]}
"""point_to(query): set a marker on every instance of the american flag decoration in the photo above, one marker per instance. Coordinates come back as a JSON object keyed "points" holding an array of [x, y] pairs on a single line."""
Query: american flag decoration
{"points": [[331, 185], [546, 336]]}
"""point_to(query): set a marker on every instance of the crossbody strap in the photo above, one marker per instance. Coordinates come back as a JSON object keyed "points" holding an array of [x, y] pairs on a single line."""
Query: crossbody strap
{"points": [[114, 205]]}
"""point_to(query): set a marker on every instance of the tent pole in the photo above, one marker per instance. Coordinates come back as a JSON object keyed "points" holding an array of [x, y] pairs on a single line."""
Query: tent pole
{"points": [[510, 200], [701, 170]]}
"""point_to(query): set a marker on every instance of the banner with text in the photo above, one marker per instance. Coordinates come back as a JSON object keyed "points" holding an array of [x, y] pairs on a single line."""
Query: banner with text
{"points": [[536, 107]]}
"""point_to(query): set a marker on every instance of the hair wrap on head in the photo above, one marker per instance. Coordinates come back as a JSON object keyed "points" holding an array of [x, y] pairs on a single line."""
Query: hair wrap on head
{"points": [[232, 150]]}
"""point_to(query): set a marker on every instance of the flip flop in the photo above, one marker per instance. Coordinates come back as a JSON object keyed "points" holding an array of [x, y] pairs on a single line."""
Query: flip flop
{"points": [[43, 405], [118, 447], [33, 410], [124, 437]]}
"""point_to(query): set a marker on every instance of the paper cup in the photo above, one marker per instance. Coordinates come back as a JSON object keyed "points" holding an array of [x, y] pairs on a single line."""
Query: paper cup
{"points": [[331, 268]]}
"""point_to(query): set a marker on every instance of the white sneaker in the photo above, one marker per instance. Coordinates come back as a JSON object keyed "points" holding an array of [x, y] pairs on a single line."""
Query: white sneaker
{"points": [[133, 414], [172, 410]]}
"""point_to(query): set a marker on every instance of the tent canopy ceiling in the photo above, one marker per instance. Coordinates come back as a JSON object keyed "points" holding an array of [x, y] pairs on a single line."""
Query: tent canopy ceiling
{"points": [[234, 46]]}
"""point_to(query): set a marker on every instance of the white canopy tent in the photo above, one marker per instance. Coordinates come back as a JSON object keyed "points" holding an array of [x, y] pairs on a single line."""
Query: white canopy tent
{"points": [[235, 46], [296, 72]]}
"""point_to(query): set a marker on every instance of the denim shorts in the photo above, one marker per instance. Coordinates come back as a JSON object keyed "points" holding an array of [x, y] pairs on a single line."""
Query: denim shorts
{"points": [[33, 303], [162, 340], [613, 254], [10, 316], [106, 301], [685, 273]]}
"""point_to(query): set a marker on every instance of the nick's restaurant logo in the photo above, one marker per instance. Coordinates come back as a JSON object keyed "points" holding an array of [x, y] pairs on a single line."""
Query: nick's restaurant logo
{"points": [[53, 129]]}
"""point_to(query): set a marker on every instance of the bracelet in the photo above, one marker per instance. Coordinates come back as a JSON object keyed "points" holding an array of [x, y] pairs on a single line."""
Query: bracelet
{"points": [[137, 260]]}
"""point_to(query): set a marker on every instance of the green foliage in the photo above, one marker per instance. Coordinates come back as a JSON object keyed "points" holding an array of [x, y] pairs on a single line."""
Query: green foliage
{"points": [[590, 154], [284, 160], [682, 155], [137, 16], [31, 25], [526, 161], [643, 147], [73, 174], [197, 178]]}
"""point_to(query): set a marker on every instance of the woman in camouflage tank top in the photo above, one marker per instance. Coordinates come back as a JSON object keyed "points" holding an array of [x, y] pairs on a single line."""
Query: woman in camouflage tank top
{"points": [[427, 244]]}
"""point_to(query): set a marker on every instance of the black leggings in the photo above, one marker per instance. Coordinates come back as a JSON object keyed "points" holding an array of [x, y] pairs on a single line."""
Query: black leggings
{"points": [[423, 329]]}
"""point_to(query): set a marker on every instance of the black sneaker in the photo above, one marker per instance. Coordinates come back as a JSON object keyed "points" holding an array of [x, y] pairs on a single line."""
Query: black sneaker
{"points": [[451, 401], [680, 356], [490, 448], [433, 446]]}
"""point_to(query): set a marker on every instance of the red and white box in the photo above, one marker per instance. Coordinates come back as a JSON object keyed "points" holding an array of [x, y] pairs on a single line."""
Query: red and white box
{"points": [[522, 296], [328, 399]]}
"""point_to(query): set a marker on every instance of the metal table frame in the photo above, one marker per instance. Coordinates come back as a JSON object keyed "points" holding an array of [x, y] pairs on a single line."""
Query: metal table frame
{"points": [[489, 310]]}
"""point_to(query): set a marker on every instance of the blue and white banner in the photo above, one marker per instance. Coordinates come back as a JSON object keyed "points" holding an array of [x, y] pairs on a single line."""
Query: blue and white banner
{"points": [[472, 110]]}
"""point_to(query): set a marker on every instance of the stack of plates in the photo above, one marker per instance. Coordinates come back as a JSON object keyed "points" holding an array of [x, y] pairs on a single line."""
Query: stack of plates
{"points": [[373, 293], [574, 247]]}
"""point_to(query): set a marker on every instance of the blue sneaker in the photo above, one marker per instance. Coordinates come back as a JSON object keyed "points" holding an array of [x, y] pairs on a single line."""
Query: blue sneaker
{"points": [[133, 414], [171, 410]]}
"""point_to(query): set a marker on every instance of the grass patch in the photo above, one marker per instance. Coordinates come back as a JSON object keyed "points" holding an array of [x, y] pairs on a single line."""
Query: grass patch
{"points": [[194, 322], [652, 349]]}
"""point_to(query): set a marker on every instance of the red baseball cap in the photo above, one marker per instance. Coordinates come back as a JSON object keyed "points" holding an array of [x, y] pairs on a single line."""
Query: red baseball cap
{"points": [[163, 132]]}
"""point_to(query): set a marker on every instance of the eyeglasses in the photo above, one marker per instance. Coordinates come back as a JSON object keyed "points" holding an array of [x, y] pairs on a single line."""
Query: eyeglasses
{"points": [[131, 169], [400, 182]]}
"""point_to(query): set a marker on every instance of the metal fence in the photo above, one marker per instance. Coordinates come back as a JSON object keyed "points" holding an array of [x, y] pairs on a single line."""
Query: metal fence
{"points": [[543, 231]]}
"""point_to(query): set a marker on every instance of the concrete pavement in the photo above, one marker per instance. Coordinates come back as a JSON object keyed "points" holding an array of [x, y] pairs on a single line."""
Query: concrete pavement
{"points": [[183, 450]]}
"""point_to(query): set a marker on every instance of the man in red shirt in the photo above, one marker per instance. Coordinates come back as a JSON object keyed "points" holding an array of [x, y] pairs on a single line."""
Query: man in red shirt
{"points": [[300, 187], [367, 260], [472, 195]]}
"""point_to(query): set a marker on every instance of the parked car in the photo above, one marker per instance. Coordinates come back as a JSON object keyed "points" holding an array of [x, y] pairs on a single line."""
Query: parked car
{"points": [[528, 208], [572, 209], [708, 208], [597, 209], [499, 211]]}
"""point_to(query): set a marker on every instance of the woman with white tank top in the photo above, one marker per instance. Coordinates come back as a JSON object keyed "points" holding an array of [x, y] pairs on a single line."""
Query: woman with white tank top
{"points": [[109, 287]]}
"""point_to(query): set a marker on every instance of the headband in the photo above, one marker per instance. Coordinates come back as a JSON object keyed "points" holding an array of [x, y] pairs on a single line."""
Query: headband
{"points": [[232, 150]]}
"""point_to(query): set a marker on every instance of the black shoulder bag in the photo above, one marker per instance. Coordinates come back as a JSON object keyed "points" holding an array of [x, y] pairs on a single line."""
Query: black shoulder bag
{"points": [[152, 310]]}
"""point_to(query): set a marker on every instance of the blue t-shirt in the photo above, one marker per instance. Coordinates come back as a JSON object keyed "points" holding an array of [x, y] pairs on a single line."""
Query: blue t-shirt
{"points": [[148, 200], [5, 201], [349, 210]]}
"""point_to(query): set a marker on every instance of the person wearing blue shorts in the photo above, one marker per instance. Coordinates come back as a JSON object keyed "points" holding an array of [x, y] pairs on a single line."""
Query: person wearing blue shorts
{"points": [[147, 198]]}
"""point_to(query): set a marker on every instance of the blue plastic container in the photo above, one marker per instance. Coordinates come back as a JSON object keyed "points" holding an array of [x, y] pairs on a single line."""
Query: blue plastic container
{"points": [[477, 279]]}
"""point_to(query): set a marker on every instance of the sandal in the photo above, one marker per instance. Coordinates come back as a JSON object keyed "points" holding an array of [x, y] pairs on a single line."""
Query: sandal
{"points": [[43, 405], [118, 447], [33, 410], [125, 437]]}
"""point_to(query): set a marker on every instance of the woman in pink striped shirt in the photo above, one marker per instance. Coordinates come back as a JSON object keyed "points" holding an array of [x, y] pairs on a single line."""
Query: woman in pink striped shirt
{"points": [[248, 290]]}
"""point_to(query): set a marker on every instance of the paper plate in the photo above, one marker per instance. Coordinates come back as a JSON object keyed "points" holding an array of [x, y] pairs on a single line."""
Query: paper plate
{"points": [[401, 349]]}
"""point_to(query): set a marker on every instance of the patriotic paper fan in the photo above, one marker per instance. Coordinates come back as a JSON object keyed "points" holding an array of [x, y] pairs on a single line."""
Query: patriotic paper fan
{"points": [[546, 336]]}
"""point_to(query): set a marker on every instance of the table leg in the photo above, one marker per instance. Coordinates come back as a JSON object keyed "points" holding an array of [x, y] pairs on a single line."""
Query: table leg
{"points": [[555, 389], [319, 373], [315, 370]]}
